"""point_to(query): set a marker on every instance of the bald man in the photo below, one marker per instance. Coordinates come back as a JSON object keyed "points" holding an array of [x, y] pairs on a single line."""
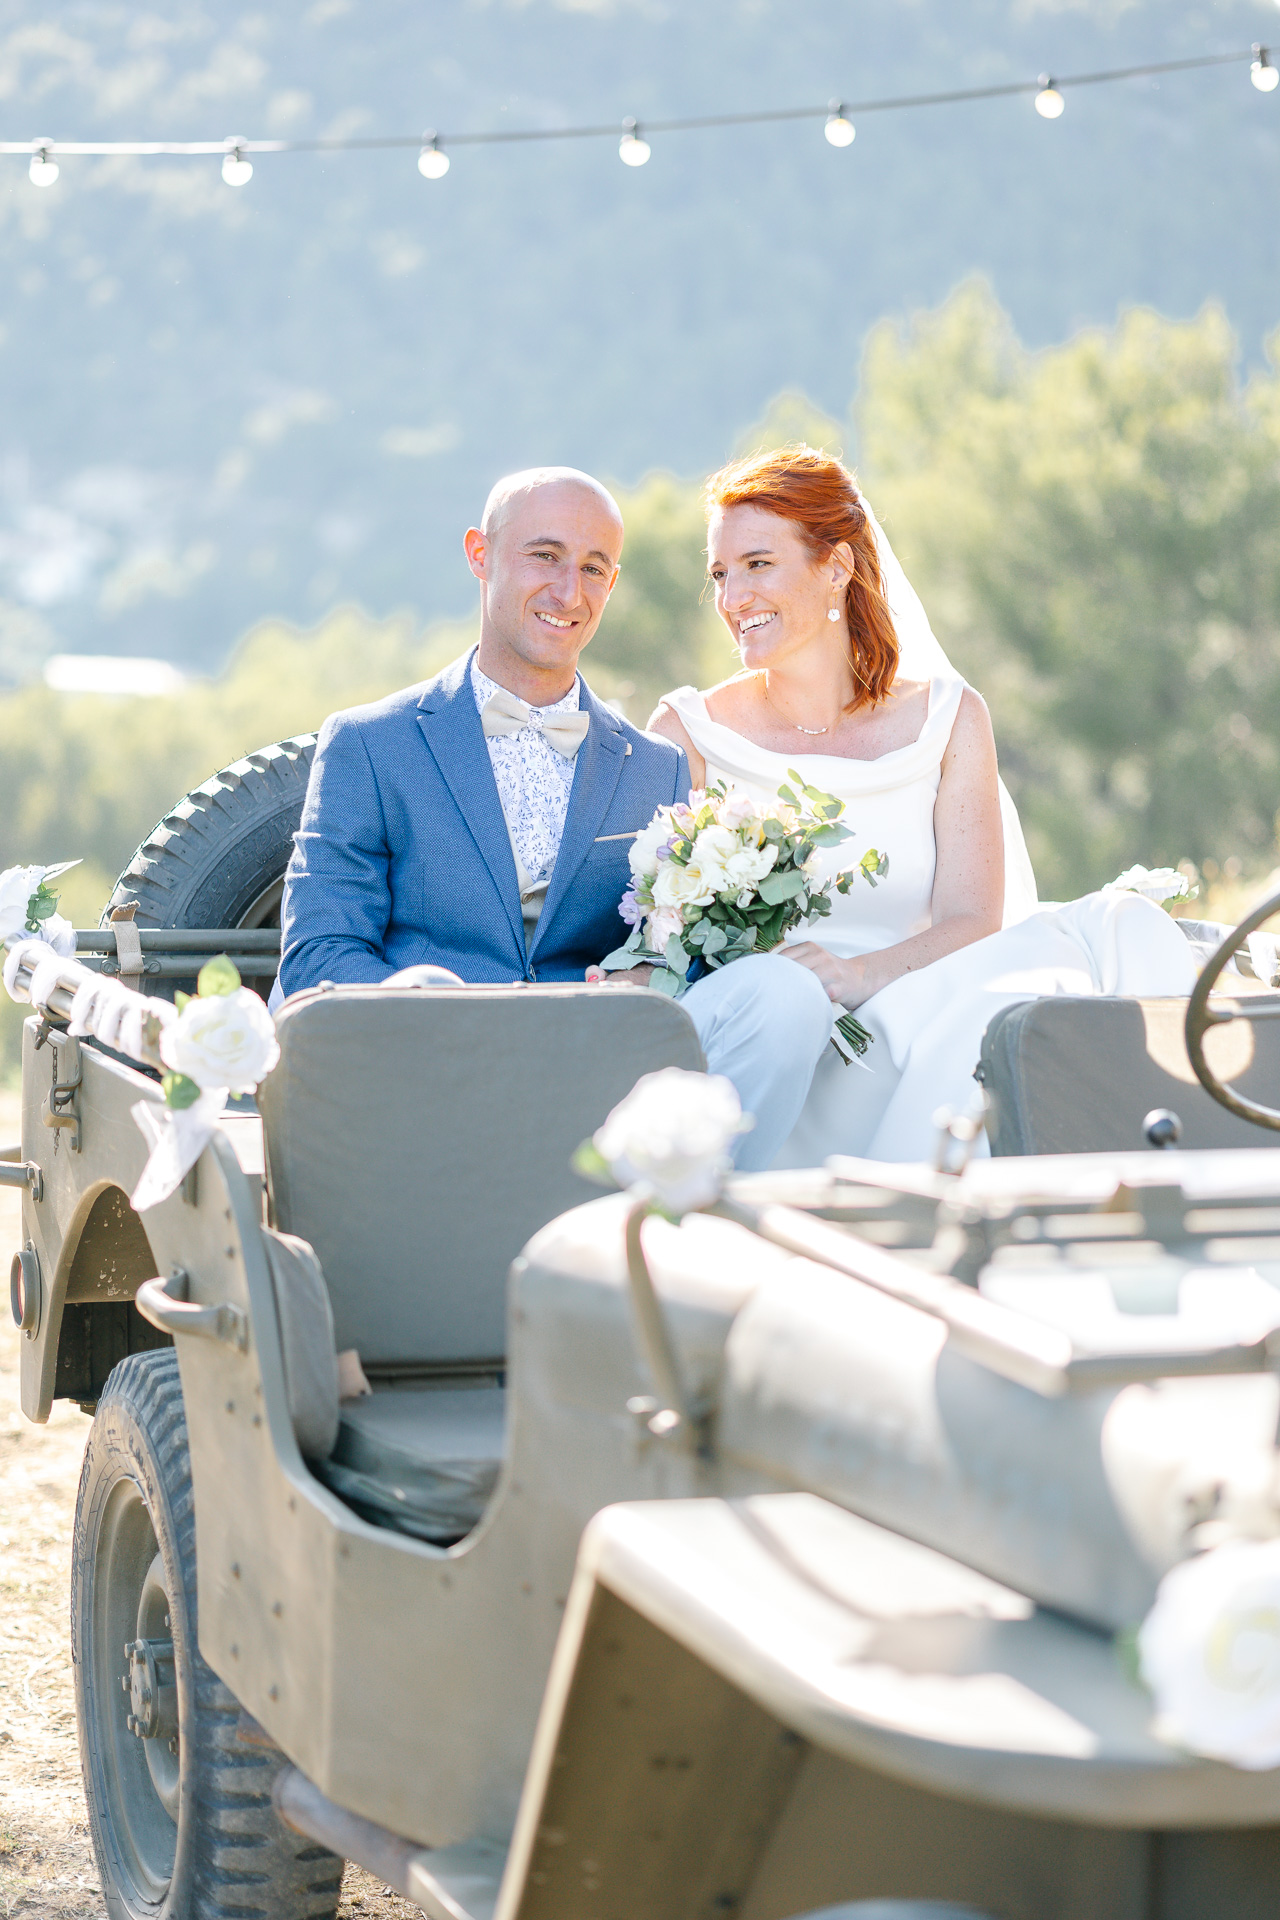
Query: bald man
{"points": [[481, 822]]}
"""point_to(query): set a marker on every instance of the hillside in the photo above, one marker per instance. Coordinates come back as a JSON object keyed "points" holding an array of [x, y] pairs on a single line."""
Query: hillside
{"points": [[217, 405]]}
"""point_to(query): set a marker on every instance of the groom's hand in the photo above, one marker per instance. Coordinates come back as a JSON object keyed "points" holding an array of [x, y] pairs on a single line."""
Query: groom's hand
{"points": [[628, 977]]}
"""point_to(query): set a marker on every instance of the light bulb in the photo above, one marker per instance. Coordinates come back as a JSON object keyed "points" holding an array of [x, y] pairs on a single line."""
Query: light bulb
{"points": [[1050, 104], [43, 171], [632, 150], [236, 170], [1264, 76], [432, 163], [839, 130]]}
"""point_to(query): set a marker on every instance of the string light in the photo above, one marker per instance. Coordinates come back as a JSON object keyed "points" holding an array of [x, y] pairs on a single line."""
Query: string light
{"points": [[632, 150], [839, 130], [1050, 104], [43, 171], [432, 163], [236, 170]]}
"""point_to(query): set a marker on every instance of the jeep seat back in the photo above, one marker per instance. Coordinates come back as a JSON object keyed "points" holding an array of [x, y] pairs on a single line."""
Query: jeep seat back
{"points": [[1080, 1075], [418, 1138]]}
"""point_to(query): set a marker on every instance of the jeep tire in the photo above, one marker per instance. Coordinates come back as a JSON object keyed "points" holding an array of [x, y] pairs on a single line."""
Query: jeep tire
{"points": [[217, 859], [179, 1809]]}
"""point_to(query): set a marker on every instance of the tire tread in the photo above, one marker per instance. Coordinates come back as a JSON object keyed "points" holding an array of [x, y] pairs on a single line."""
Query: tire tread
{"points": [[246, 1865]]}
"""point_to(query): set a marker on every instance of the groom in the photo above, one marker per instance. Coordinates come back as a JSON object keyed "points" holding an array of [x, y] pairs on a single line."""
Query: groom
{"points": [[481, 822]]}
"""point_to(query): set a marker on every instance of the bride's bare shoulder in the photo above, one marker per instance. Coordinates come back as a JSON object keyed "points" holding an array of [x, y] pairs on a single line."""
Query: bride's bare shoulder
{"points": [[905, 691]]}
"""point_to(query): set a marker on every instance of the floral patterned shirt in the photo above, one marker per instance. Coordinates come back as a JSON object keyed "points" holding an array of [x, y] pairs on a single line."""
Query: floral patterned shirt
{"points": [[533, 780]]}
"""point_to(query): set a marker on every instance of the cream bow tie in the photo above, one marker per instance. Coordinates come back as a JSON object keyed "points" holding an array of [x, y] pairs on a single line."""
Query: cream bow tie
{"points": [[504, 713]]}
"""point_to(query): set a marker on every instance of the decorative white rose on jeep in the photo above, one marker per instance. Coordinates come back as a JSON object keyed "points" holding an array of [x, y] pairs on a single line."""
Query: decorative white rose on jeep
{"points": [[1165, 885], [1210, 1653], [674, 1133], [17, 884], [222, 1040], [28, 906]]}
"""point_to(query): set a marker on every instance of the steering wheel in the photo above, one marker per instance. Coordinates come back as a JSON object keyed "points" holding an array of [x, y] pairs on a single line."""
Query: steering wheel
{"points": [[1201, 1016]]}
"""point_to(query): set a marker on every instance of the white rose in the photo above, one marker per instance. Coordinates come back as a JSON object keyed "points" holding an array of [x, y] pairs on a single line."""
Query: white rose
{"points": [[739, 809], [749, 865], [660, 927], [674, 1132], [1210, 1653], [222, 1040], [714, 845], [17, 884], [1153, 883], [643, 853], [677, 886]]}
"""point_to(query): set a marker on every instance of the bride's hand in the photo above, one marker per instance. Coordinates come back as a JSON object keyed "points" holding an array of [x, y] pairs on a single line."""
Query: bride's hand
{"points": [[623, 977], [844, 980]]}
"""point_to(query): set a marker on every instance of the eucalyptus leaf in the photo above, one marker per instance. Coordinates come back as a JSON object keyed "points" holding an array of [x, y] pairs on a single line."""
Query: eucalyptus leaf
{"points": [[777, 887]]}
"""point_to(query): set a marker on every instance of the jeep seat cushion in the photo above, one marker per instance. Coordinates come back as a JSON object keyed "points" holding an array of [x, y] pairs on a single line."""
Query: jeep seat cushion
{"points": [[1080, 1076], [417, 1139], [421, 1460]]}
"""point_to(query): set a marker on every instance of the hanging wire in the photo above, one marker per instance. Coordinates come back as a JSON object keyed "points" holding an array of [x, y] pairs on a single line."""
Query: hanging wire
{"points": [[835, 115]]}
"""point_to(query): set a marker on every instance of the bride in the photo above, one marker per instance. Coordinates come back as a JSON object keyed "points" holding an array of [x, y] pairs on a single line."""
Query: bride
{"points": [[843, 680]]}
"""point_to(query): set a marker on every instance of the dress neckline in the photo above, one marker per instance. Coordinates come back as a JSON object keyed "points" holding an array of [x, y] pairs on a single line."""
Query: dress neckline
{"points": [[814, 753], [725, 748]]}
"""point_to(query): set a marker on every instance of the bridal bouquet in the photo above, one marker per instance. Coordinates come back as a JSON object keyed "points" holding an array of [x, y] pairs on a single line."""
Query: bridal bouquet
{"points": [[723, 877]]}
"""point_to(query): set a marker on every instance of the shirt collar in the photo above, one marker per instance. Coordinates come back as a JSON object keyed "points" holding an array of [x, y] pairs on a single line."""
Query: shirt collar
{"points": [[484, 689]]}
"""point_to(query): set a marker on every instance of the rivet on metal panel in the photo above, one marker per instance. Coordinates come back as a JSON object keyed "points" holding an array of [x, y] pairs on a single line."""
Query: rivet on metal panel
{"points": [[278, 1609], [231, 1406], [235, 1569], [273, 1693], [235, 1651]]}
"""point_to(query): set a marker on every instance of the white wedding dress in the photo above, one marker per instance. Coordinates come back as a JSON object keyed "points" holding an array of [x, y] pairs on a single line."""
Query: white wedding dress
{"points": [[927, 1027]]}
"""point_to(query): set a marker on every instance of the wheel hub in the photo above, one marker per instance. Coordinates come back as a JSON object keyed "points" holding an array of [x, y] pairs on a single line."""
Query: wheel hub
{"points": [[152, 1690]]}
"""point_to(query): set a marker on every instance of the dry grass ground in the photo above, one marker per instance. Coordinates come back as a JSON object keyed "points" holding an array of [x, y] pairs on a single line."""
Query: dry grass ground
{"points": [[47, 1869]]}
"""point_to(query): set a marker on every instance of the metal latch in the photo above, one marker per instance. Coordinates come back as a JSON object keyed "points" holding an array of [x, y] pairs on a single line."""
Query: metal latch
{"points": [[62, 1109]]}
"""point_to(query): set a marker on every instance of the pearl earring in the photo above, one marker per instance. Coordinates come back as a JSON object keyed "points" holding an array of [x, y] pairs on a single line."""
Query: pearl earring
{"points": [[833, 613]]}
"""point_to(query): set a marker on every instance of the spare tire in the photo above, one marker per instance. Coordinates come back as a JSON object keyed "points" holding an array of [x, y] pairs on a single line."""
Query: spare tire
{"points": [[218, 858]]}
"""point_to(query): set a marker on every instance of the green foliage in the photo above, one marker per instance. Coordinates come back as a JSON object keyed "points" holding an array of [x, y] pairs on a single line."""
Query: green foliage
{"points": [[179, 1091], [1095, 531], [218, 977], [659, 631]]}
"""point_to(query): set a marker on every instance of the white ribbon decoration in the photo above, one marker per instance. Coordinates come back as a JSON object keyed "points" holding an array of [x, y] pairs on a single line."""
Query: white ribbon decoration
{"points": [[177, 1137], [12, 961], [104, 1010]]}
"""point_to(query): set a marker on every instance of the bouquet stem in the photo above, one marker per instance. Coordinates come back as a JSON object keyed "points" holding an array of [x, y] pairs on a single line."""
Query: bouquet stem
{"points": [[853, 1033]]}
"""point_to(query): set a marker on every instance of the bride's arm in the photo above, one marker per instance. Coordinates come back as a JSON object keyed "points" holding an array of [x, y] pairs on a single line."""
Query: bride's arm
{"points": [[968, 888], [662, 720]]}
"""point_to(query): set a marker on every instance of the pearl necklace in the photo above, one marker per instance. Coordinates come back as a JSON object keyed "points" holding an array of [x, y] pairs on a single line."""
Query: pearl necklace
{"points": [[812, 732]]}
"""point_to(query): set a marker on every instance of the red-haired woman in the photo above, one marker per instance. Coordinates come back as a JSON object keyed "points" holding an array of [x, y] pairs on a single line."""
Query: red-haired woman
{"points": [[843, 679]]}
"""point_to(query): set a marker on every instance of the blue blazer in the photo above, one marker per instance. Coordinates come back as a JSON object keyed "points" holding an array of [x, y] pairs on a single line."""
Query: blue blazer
{"points": [[403, 854]]}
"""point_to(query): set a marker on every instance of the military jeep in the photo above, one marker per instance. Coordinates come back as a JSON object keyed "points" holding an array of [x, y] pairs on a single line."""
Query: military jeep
{"points": [[625, 1570]]}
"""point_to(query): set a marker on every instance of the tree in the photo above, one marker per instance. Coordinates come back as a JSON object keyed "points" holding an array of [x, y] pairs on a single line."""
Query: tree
{"points": [[1095, 530]]}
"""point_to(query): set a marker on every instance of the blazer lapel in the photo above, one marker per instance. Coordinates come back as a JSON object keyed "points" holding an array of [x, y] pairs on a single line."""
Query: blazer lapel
{"points": [[595, 781], [451, 727]]}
